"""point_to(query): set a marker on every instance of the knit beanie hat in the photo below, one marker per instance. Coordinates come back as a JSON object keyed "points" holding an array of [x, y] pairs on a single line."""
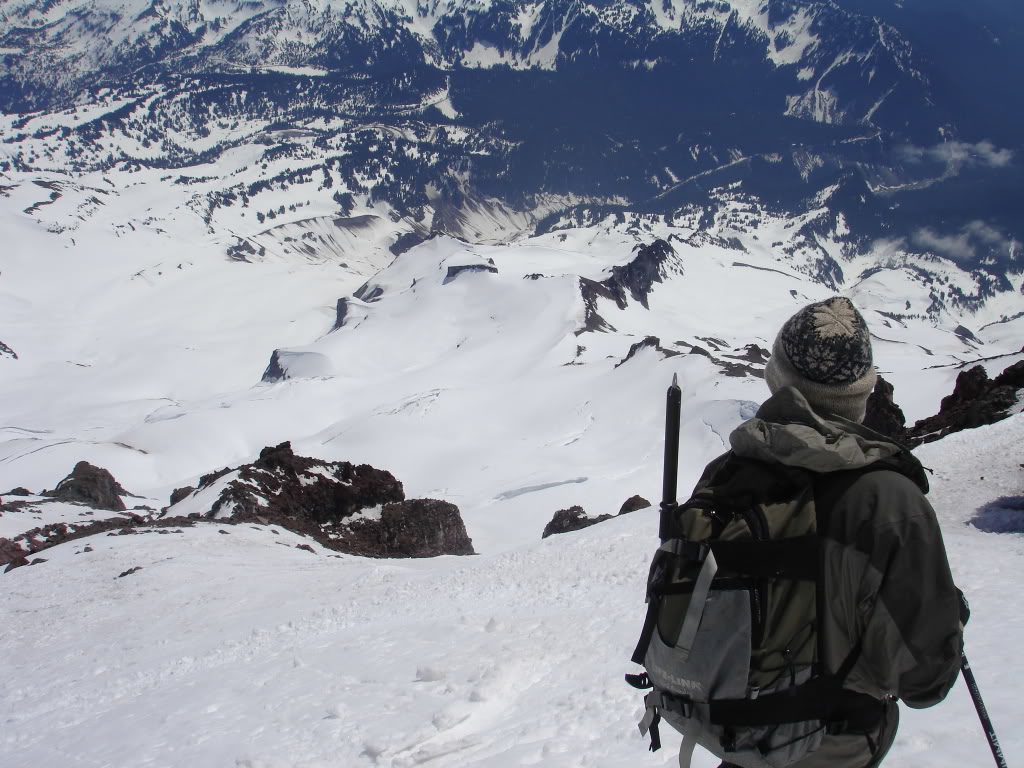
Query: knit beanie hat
{"points": [[824, 351]]}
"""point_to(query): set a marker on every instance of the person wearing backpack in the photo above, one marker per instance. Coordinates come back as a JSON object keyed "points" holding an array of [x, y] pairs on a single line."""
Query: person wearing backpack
{"points": [[804, 588]]}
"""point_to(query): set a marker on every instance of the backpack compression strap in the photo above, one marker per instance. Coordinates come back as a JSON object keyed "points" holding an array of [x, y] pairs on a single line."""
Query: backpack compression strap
{"points": [[792, 558], [822, 699]]}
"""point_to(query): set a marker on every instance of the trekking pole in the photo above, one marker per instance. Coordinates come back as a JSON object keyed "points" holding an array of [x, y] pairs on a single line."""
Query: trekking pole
{"points": [[986, 721], [674, 399]]}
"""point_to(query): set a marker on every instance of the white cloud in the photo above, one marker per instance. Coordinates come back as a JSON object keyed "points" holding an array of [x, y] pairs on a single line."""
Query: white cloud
{"points": [[986, 233], [959, 153], [888, 249], [962, 245], [957, 247]]}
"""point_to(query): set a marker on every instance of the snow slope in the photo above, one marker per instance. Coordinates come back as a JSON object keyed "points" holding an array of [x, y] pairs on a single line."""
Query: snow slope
{"points": [[142, 351], [140, 348], [228, 648]]}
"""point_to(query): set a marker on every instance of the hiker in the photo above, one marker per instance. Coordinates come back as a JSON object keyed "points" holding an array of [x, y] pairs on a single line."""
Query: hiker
{"points": [[887, 580], [888, 617]]}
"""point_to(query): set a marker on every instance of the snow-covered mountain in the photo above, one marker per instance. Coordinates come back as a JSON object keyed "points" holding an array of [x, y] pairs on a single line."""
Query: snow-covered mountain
{"points": [[508, 111], [145, 351], [286, 207], [469, 243], [117, 37]]}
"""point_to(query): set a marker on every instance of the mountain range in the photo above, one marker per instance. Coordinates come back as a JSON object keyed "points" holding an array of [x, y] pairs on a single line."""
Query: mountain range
{"points": [[254, 252], [522, 110]]}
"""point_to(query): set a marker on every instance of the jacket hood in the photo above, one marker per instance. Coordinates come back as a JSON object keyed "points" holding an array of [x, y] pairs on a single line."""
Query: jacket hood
{"points": [[786, 430]]}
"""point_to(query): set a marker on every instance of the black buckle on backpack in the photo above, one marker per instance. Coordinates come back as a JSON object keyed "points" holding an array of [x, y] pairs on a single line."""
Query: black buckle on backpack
{"points": [[681, 705], [654, 702]]}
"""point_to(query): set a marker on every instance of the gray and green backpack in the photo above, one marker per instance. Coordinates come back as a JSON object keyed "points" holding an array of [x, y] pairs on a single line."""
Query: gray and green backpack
{"points": [[731, 643]]}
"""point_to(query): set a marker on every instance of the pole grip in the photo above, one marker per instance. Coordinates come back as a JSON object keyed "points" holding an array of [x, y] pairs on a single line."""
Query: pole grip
{"points": [[673, 406]]}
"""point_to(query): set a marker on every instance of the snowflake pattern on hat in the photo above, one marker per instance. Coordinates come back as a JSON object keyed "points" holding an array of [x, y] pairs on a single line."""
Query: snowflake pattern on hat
{"points": [[828, 342]]}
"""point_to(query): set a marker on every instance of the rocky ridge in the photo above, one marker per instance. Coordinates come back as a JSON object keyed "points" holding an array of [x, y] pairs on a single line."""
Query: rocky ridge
{"points": [[976, 400], [351, 509], [356, 509], [575, 517]]}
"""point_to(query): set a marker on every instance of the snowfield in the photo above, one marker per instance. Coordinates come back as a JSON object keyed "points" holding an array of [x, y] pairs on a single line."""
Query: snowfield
{"points": [[231, 647], [469, 372]]}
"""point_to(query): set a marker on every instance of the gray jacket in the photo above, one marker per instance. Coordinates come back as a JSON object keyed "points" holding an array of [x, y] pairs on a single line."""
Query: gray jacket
{"points": [[887, 579]]}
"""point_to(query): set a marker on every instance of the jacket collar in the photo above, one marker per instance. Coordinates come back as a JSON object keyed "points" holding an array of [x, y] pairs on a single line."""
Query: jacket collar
{"points": [[787, 431]]}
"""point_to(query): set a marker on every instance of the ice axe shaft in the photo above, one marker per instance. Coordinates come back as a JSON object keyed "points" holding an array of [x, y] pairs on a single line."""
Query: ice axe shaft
{"points": [[673, 406], [979, 704]]}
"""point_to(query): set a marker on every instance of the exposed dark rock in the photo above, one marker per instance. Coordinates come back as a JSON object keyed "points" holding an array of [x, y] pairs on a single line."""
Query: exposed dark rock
{"points": [[454, 272], [308, 496], [39, 539], [716, 344], [592, 320], [327, 493], [571, 519], [11, 506], [7, 351], [406, 242], [648, 342], [633, 503], [638, 277], [305, 547], [19, 491], [180, 493], [90, 485], [970, 386], [1011, 377], [355, 223], [975, 402], [321, 500], [129, 572], [368, 292], [340, 313], [749, 363], [965, 334], [696, 349], [16, 563], [11, 551], [242, 250], [275, 371], [752, 353], [209, 477], [414, 528], [738, 370], [883, 415]]}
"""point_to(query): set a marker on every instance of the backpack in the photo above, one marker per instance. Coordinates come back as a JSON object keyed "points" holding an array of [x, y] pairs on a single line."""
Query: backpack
{"points": [[731, 643]]}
